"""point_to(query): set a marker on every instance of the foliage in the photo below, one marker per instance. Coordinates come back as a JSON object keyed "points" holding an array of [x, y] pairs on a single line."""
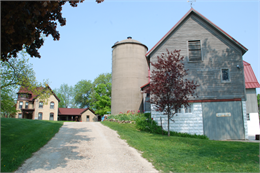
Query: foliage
{"points": [[82, 92], [66, 95], [7, 103], [20, 138], [128, 116], [168, 88], [102, 105], [23, 23], [176, 154]]}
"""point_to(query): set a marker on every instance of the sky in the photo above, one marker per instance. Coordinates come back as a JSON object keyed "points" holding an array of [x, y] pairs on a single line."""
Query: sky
{"points": [[84, 49]]}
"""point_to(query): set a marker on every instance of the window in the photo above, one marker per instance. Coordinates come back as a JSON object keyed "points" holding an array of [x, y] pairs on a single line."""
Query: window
{"points": [[26, 105], [194, 50], [248, 117], [20, 115], [40, 116], [52, 105], [51, 116], [185, 110], [41, 105], [20, 105], [225, 75]]}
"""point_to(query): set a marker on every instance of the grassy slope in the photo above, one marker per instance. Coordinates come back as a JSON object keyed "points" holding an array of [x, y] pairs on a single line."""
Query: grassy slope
{"points": [[178, 154], [22, 137]]}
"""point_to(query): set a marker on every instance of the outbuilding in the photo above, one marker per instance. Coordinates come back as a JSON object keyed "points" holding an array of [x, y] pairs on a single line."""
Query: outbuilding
{"points": [[75, 114]]}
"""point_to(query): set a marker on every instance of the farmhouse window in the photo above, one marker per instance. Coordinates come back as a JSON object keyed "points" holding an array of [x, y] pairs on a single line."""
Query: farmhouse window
{"points": [[51, 116], [225, 75], [40, 116], [20, 115], [188, 109], [41, 105], [52, 105], [20, 105], [26, 105], [194, 50]]}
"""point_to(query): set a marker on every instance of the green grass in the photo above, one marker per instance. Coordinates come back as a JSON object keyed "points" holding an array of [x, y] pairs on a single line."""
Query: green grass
{"points": [[179, 154], [22, 137]]}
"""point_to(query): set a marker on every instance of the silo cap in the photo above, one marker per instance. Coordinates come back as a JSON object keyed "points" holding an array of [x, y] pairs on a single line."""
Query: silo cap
{"points": [[129, 40]]}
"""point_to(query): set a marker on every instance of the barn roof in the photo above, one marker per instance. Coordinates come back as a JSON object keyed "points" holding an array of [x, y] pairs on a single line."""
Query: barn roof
{"points": [[244, 49], [250, 78], [73, 111]]}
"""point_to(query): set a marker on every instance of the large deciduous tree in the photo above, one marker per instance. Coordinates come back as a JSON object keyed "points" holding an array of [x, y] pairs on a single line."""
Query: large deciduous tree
{"points": [[66, 95], [23, 22], [169, 90], [82, 91], [102, 105]]}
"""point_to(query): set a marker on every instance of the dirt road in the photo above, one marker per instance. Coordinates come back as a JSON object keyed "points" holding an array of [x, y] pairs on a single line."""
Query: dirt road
{"points": [[86, 147]]}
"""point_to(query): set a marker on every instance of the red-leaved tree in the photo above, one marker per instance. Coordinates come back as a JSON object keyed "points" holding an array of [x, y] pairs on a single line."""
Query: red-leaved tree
{"points": [[169, 89]]}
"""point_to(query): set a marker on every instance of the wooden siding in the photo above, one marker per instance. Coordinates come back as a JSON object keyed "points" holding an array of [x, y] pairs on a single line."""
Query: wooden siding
{"points": [[251, 101], [217, 53]]}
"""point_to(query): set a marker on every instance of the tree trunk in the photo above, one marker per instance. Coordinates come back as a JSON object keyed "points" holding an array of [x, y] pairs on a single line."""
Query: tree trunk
{"points": [[168, 124]]}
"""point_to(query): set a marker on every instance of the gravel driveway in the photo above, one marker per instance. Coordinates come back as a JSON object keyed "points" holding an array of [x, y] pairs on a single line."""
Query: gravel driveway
{"points": [[86, 147]]}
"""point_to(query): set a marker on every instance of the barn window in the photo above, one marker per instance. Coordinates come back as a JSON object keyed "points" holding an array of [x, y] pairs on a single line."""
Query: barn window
{"points": [[194, 50], [225, 75], [248, 117]]}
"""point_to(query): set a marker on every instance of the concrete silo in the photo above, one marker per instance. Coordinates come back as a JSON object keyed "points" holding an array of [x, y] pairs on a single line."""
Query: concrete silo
{"points": [[129, 73]]}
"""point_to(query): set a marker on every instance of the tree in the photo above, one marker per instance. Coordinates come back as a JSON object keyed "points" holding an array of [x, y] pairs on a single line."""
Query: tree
{"points": [[7, 103], [66, 95], [168, 89], [104, 78], [23, 22], [102, 105], [82, 91]]}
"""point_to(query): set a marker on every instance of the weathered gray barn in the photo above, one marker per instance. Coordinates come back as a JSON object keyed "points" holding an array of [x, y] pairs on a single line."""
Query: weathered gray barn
{"points": [[214, 60]]}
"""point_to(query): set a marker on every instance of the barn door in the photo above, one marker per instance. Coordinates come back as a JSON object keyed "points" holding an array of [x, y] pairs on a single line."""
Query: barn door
{"points": [[223, 120]]}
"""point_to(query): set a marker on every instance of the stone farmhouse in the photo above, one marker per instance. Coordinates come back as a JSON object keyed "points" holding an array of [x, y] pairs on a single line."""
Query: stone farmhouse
{"points": [[30, 106]]}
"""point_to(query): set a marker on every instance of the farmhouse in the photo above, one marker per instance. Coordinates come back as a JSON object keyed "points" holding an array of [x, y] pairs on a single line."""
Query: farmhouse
{"points": [[29, 106], [214, 60]]}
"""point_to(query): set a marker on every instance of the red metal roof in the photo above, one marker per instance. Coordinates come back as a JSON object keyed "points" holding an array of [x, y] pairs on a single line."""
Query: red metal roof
{"points": [[73, 111], [244, 49], [250, 78]]}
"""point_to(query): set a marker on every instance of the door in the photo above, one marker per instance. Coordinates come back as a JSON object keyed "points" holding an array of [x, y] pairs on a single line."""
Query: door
{"points": [[87, 118], [223, 120]]}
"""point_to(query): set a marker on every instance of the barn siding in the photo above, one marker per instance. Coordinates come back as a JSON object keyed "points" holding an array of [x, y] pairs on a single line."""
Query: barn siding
{"points": [[191, 123], [217, 53]]}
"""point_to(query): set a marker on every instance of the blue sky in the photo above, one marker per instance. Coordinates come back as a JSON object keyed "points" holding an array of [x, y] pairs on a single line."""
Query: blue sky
{"points": [[84, 49]]}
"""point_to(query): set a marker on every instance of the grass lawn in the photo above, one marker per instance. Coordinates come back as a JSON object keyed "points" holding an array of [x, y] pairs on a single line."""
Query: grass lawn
{"points": [[22, 137], [179, 154]]}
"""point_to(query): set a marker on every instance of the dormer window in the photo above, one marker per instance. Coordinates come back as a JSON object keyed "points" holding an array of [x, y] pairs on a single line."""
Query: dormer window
{"points": [[194, 50]]}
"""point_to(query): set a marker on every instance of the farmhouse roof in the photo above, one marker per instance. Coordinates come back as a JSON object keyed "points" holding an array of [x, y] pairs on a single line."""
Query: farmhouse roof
{"points": [[250, 78], [34, 96], [73, 111], [244, 49]]}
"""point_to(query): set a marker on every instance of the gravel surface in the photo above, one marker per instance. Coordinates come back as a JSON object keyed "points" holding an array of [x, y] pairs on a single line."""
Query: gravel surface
{"points": [[86, 147]]}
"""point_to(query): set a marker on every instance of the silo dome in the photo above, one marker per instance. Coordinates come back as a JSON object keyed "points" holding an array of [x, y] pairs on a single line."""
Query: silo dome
{"points": [[129, 73]]}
